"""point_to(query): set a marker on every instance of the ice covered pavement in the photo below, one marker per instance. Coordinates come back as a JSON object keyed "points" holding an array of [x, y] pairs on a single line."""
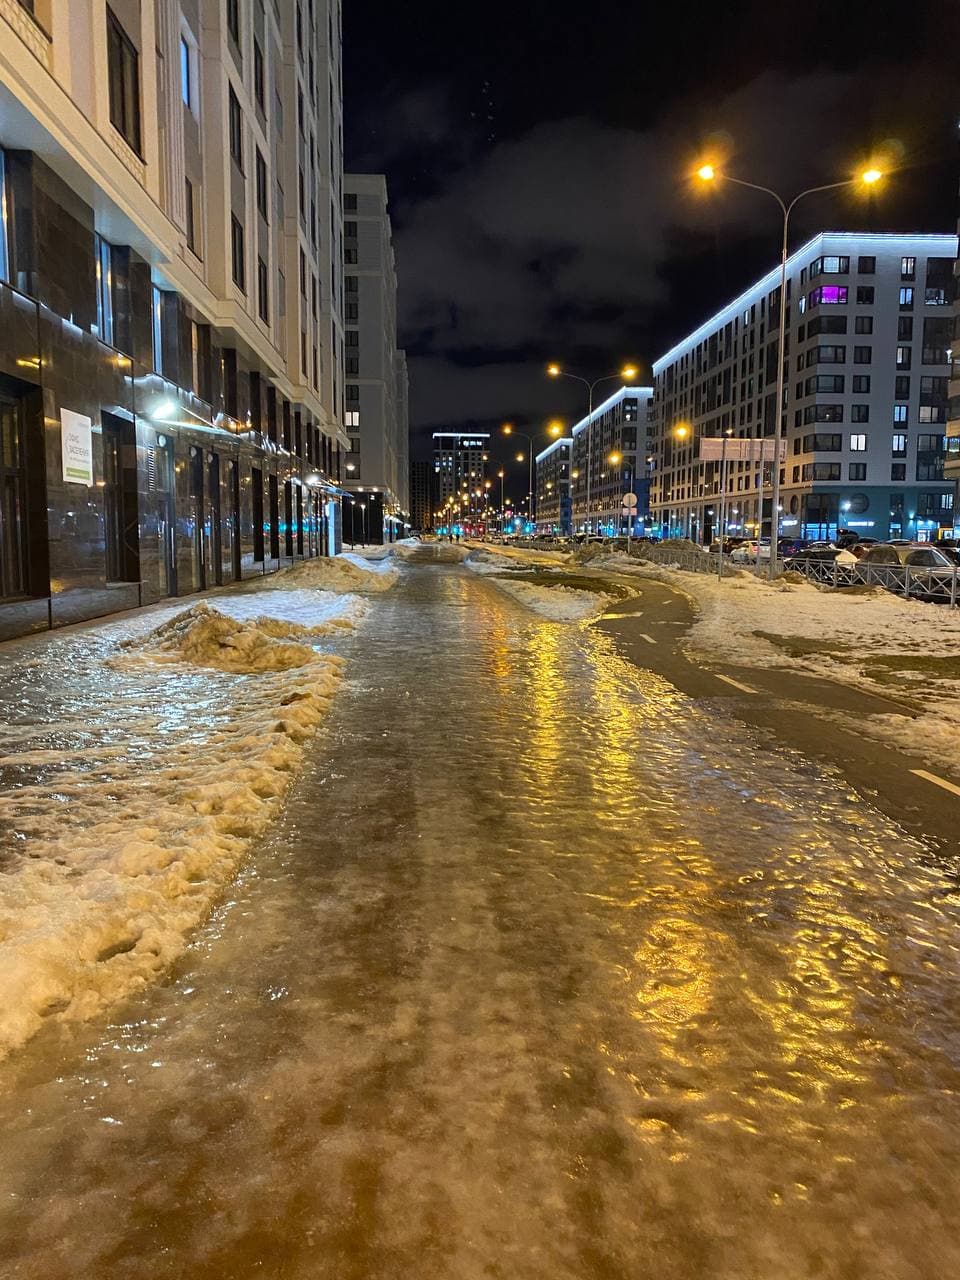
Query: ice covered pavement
{"points": [[139, 759], [545, 972]]}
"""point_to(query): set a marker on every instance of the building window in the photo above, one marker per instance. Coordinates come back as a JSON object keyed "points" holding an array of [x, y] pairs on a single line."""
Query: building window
{"points": [[828, 295], [350, 256], [353, 393], [908, 268], [861, 383], [900, 412], [104, 329], [906, 297], [863, 324], [859, 413], [237, 255], [858, 443], [190, 221], [350, 203], [862, 355], [263, 291], [353, 338], [898, 446], [898, 471], [233, 20], [157, 319], [904, 357], [259, 78], [236, 130], [857, 471], [867, 266], [901, 387], [904, 328], [865, 295], [123, 72], [186, 79], [262, 189], [4, 249]]}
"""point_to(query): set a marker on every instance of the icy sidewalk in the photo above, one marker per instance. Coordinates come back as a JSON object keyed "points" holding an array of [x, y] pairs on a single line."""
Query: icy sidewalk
{"points": [[140, 758]]}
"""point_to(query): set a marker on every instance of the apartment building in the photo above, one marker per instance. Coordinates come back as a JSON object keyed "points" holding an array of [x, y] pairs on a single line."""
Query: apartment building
{"points": [[553, 510], [423, 497], [171, 346], [611, 448], [376, 406], [865, 396], [459, 461]]}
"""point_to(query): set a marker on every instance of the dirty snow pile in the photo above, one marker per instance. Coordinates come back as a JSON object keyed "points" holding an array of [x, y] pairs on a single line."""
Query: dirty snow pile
{"points": [[123, 829], [345, 572], [559, 604], [526, 555], [204, 636]]}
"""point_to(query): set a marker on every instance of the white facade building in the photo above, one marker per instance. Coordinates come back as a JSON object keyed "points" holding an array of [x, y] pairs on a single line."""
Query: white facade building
{"points": [[460, 470], [865, 395], [611, 447]]}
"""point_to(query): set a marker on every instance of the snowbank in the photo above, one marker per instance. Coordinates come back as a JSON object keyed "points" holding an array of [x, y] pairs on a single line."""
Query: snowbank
{"points": [[122, 850], [345, 572], [526, 555], [559, 604], [207, 638]]}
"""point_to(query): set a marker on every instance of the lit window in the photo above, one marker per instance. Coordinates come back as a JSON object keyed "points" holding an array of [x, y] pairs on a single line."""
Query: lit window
{"points": [[185, 85], [858, 444]]}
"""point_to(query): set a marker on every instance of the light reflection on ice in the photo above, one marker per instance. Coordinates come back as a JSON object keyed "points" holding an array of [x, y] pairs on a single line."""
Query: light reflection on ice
{"points": [[582, 981]]}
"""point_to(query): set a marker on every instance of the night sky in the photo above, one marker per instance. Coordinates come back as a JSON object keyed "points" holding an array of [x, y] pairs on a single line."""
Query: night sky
{"points": [[537, 159]]}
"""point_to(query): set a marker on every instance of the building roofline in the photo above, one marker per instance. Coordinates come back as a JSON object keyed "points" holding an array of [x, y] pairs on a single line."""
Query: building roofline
{"points": [[772, 278], [461, 435], [554, 444], [610, 401]]}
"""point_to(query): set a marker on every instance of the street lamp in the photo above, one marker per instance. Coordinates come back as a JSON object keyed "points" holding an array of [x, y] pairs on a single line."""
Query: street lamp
{"points": [[709, 173], [626, 374]]}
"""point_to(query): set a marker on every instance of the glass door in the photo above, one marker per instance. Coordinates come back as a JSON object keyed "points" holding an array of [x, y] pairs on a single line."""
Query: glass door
{"points": [[13, 567]]}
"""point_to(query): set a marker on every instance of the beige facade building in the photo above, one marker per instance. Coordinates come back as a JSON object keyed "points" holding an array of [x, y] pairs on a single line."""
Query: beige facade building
{"points": [[172, 241]]}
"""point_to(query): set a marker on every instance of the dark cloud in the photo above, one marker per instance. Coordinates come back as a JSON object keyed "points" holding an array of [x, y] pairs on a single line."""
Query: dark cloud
{"points": [[578, 236]]}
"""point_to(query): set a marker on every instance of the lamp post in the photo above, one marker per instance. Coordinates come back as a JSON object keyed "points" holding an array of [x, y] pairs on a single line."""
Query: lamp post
{"points": [[626, 374], [554, 429], [708, 173]]}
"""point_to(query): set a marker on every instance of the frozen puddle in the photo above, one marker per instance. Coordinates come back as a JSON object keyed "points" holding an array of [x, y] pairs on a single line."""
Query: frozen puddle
{"points": [[139, 761]]}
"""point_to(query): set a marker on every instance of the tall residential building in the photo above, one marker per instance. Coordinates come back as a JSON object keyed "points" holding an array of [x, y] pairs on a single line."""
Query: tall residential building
{"points": [[376, 411], [460, 469], [865, 395], [951, 469], [170, 289], [553, 511], [423, 497], [611, 448]]}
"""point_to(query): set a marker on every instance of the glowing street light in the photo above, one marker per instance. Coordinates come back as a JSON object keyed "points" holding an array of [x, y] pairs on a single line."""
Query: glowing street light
{"points": [[707, 172]]}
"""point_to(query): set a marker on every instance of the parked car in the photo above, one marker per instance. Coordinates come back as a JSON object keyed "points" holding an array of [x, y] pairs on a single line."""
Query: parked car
{"points": [[822, 553], [892, 559]]}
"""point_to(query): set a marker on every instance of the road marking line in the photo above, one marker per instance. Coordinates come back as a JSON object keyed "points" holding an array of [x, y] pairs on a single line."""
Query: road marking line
{"points": [[649, 639], [744, 688], [937, 782]]}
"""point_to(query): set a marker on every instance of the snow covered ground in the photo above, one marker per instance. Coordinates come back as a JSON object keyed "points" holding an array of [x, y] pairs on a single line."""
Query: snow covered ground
{"points": [[558, 602], [139, 760], [908, 650]]}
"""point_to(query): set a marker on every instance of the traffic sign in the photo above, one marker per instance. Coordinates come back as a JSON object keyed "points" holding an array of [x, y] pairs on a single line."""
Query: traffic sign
{"points": [[629, 500]]}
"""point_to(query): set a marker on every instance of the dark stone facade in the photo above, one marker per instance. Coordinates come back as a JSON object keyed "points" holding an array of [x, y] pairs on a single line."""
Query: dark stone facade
{"points": [[194, 485]]}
